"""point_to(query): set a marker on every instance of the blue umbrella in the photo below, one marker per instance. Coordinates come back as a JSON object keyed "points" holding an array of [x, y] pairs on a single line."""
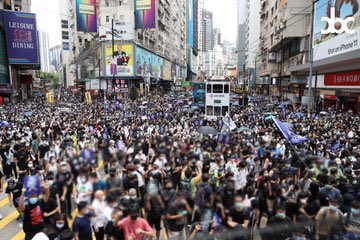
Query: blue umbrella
{"points": [[27, 114], [4, 124], [195, 107]]}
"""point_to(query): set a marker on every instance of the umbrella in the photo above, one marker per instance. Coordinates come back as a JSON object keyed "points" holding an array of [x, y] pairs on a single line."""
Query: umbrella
{"points": [[38, 94], [186, 106], [289, 125], [180, 102], [4, 124], [207, 130], [142, 107], [27, 114], [280, 106], [269, 105], [323, 113], [270, 113], [66, 110], [194, 107], [242, 129], [130, 115]]}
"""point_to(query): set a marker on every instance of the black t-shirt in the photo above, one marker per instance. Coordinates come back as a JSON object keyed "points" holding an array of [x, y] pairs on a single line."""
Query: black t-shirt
{"points": [[239, 216], [47, 207], [22, 158], [82, 226], [176, 225], [33, 219], [113, 233], [15, 191], [43, 149], [131, 182], [61, 181]]}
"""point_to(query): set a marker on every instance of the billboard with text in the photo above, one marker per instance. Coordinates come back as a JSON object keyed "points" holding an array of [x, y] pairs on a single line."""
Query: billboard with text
{"points": [[123, 62], [145, 12], [335, 15], [86, 19], [21, 34]]}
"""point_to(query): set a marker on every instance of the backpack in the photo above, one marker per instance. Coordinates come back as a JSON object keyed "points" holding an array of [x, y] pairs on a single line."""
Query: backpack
{"points": [[200, 196]]}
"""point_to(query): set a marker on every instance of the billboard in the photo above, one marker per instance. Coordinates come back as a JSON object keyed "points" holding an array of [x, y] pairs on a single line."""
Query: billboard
{"points": [[21, 35], [123, 60], [122, 32], [145, 14], [86, 19], [191, 24], [7, 4], [167, 70], [342, 79], [157, 65], [143, 62], [332, 44]]}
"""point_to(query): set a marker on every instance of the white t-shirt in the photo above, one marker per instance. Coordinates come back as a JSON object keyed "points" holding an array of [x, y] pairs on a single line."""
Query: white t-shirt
{"points": [[82, 189]]}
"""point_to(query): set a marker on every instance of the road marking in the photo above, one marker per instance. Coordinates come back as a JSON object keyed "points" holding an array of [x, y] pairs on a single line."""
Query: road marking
{"points": [[9, 218], [4, 201], [21, 235]]}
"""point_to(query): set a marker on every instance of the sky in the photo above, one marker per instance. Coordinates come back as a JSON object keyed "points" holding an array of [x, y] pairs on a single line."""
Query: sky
{"points": [[48, 18], [224, 12]]}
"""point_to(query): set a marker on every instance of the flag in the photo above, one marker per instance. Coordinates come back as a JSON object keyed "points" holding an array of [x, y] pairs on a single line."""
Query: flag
{"points": [[228, 123], [290, 136]]}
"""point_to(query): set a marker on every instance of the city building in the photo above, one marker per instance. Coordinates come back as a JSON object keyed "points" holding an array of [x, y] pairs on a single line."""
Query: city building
{"points": [[285, 30], [336, 57], [252, 34], [207, 31], [216, 63], [241, 39], [200, 36], [44, 50], [16, 70], [217, 39], [55, 58]]}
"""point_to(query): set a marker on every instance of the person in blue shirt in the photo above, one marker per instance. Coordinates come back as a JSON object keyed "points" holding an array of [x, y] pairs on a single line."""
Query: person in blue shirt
{"points": [[98, 184], [82, 225]]}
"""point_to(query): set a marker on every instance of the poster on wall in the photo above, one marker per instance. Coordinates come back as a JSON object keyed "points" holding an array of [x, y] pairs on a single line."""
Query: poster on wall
{"points": [[145, 14], [21, 34], [123, 60], [332, 38], [86, 19], [143, 62], [167, 70], [157, 65], [121, 32]]}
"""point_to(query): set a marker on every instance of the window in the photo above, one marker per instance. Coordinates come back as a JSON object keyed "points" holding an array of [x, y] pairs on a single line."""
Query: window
{"points": [[217, 111], [226, 88], [225, 109], [209, 110], [107, 19], [209, 88], [121, 17], [65, 35], [64, 24], [218, 88]]}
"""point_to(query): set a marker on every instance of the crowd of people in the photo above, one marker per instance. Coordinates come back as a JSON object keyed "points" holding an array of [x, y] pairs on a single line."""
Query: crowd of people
{"points": [[141, 170]]}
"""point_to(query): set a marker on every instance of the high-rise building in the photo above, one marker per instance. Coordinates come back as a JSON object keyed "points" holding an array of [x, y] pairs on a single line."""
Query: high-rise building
{"points": [[200, 35], [55, 58], [241, 39], [207, 31], [252, 32], [217, 39], [44, 50]]}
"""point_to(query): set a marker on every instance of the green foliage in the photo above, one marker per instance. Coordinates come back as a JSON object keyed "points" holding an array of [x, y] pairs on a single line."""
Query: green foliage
{"points": [[133, 94], [53, 77]]}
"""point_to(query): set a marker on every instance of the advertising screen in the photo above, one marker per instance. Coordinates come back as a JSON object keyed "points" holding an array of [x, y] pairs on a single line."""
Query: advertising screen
{"points": [[143, 62], [332, 35], [156, 66], [21, 35], [123, 60], [167, 70], [145, 14], [191, 23], [86, 19]]}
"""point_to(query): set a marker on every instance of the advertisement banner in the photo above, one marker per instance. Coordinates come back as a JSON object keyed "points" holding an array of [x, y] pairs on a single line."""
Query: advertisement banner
{"points": [[7, 4], [331, 16], [342, 79], [122, 32], [145, 14], [157, 65], [167, 70], [143, 62], [21, 38], [86, 19], [191, 24], [123, 61]]}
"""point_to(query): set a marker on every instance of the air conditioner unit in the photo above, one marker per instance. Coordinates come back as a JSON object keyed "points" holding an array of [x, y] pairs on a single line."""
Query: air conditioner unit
{"points": [[272, 56]]}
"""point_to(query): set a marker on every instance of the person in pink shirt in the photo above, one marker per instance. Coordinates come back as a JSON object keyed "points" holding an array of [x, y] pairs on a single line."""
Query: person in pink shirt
{"points": [[134, 227]]}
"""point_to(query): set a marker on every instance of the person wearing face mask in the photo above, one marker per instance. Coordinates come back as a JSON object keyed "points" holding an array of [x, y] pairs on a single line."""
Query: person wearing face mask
{"points": [[329, 220], [238, 216], [114, 184], [13, 190], [60, 229], [64, 185], [278, 225], [84, 188], [53, 166], [31, 169], [112, 230], [135, 227], [352, 219], [33, 222], [98, 222]]}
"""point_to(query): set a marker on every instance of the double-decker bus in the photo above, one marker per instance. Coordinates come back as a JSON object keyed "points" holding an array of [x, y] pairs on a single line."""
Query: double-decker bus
{"points": [[217, 98], [199, 93]]}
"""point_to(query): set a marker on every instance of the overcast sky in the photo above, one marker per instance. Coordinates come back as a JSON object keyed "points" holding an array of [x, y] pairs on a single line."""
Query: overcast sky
{"points": [[48, 18]]}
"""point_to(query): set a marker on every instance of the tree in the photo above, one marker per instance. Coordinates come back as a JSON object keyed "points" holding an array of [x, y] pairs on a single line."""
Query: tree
{"points": [[52, 77], [133, 94]]}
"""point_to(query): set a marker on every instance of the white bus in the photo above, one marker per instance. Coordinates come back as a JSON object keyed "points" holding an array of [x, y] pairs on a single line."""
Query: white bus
{"points": [[217, 102]]}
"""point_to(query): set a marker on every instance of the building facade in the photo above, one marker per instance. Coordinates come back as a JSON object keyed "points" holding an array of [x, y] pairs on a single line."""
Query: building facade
{"points": [[241, 40], [44, 50], [207, 31], [285, 30], [55, 58]]}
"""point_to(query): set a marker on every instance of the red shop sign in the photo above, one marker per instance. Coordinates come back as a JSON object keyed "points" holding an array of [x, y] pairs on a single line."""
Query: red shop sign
{"points": [[342, 79], [329, 97]]}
